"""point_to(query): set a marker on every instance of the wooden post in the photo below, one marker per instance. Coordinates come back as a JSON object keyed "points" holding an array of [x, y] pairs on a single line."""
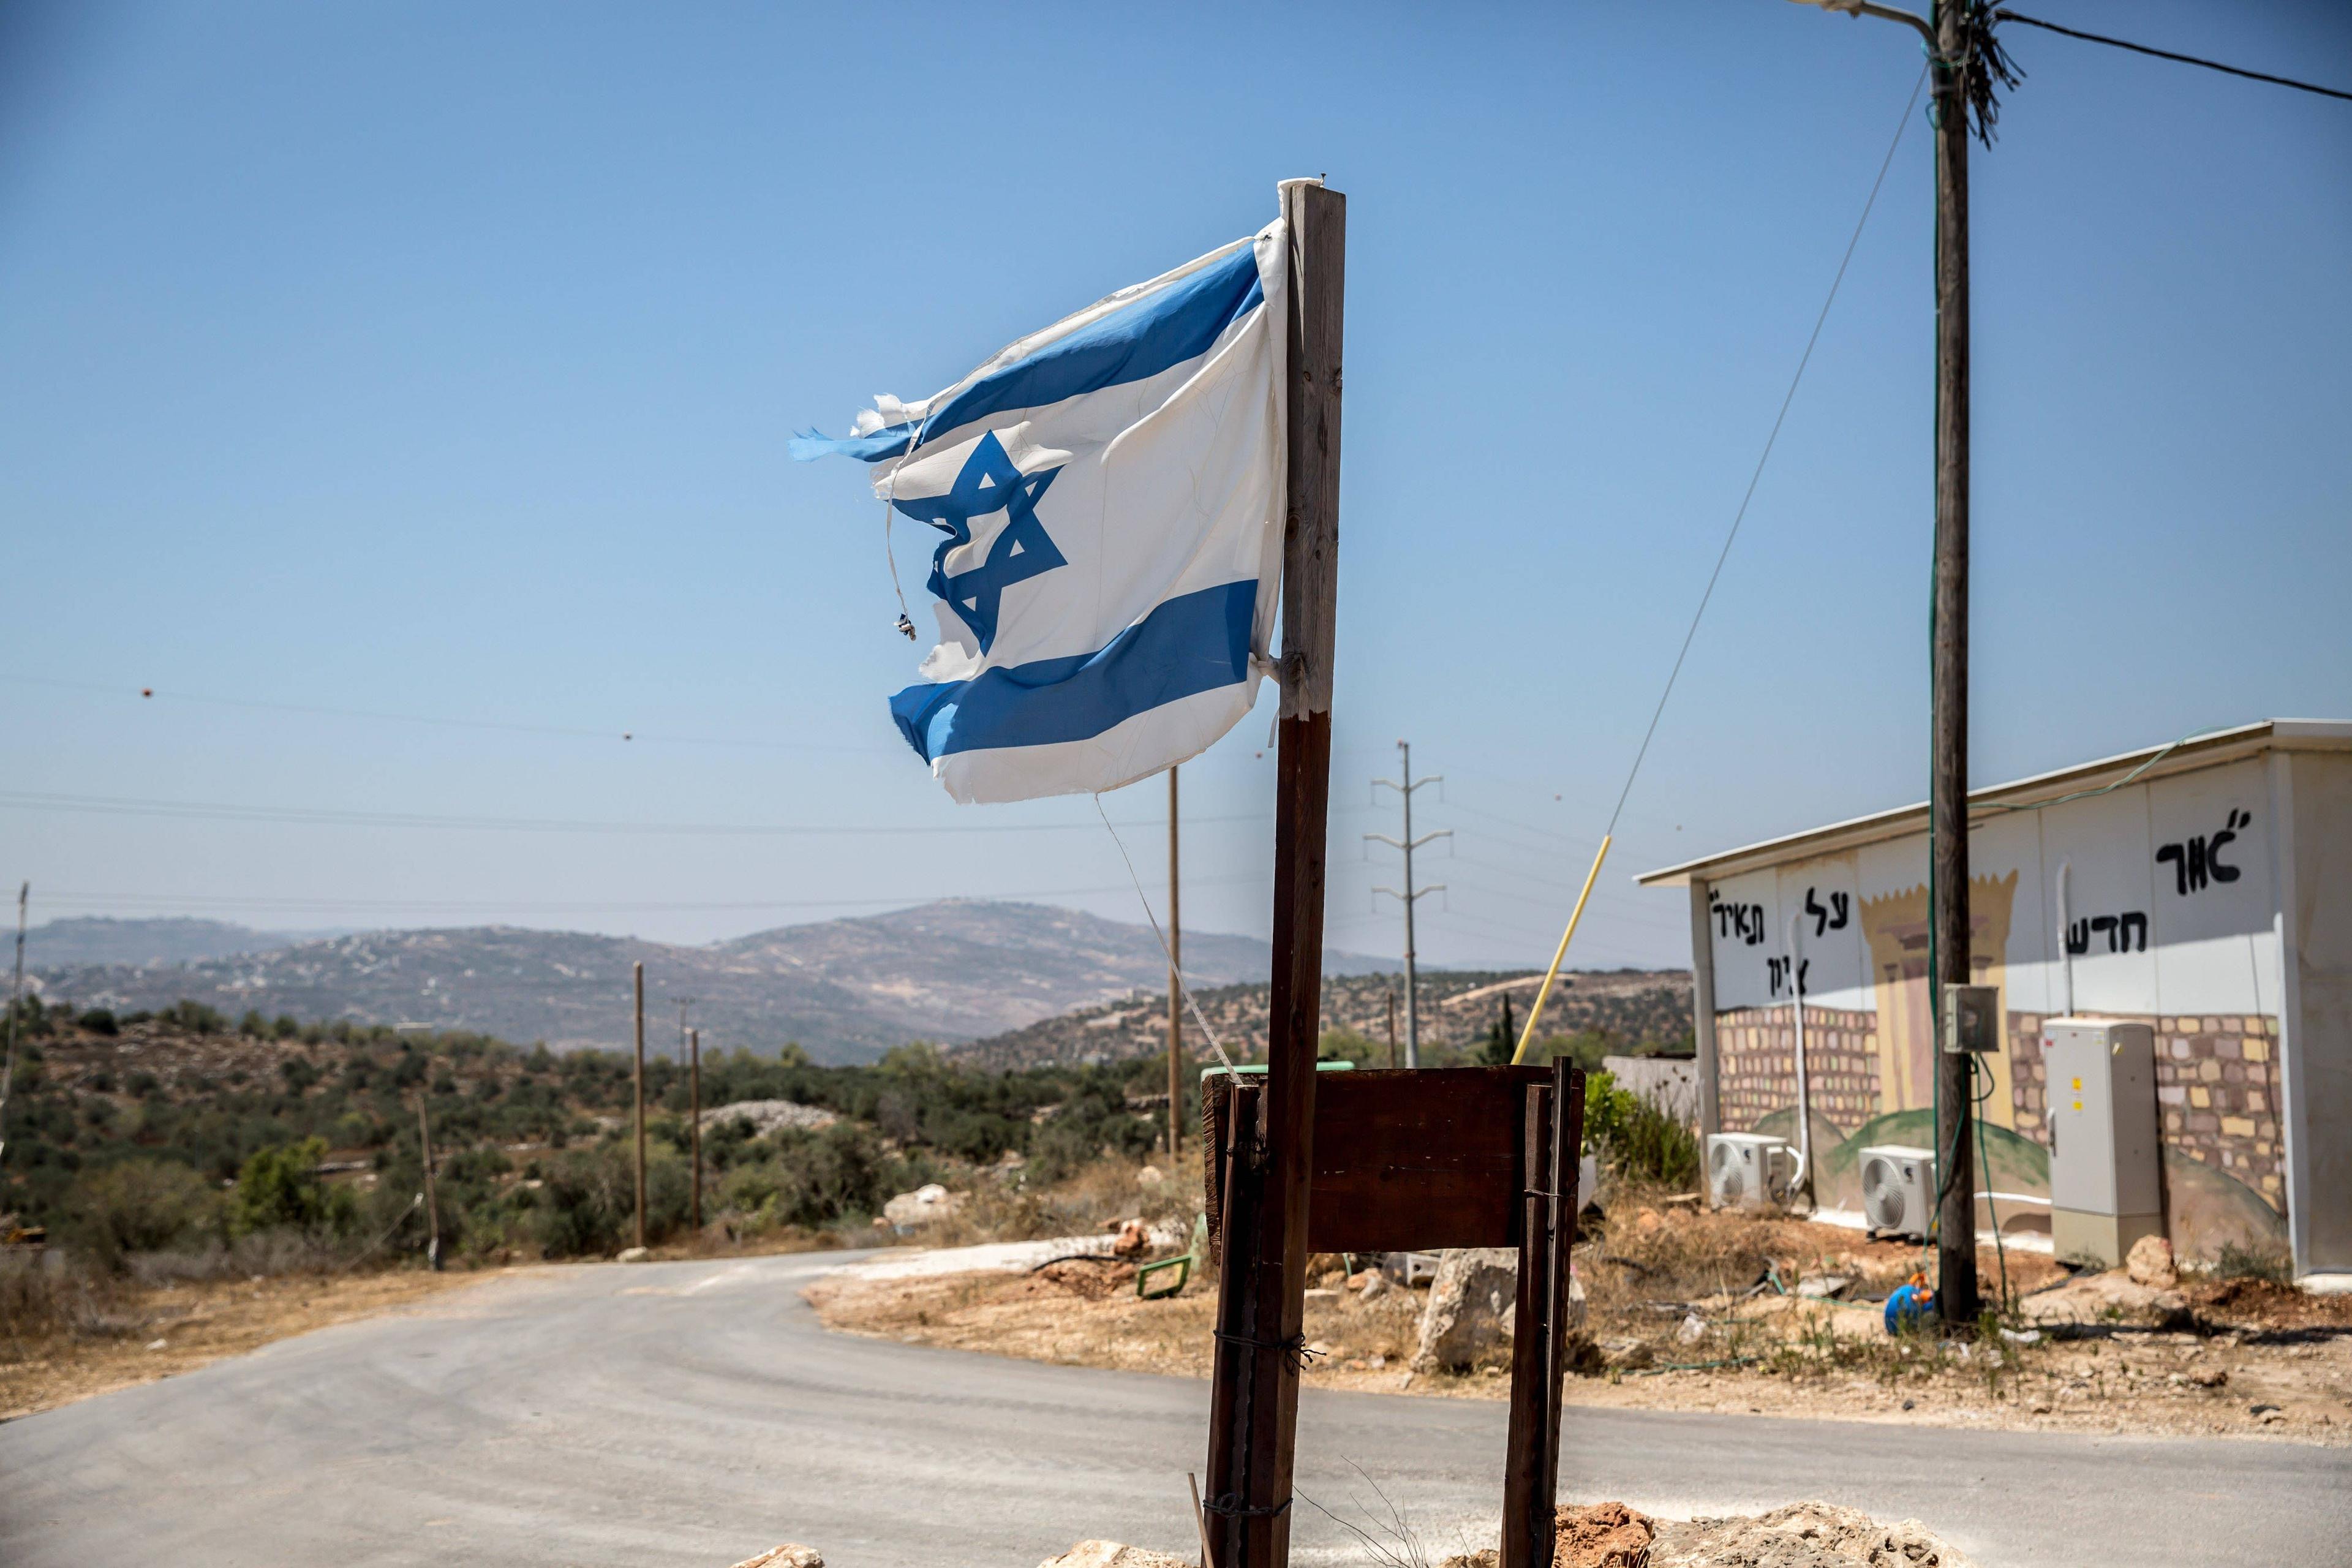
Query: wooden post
{"points": [[1553, 1138], [1175, 986], [641, 1103], [694, 1100], [1527, 1506], [1253, 1395], [1393, 1056], [1956, 1233], [432, 1198]]}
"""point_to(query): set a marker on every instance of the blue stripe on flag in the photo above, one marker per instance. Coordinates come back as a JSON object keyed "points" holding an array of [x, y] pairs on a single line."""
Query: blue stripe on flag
{"points": [[1134, 343], [1192, 643]]}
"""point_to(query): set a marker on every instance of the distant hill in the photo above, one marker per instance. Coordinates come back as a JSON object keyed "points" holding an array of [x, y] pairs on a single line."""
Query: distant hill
{"points": [[844, 990], [1633, 1006], [97, 938]]}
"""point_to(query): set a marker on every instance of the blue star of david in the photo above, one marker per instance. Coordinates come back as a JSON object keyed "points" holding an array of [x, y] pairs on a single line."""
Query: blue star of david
{"points": [[988, 483]]}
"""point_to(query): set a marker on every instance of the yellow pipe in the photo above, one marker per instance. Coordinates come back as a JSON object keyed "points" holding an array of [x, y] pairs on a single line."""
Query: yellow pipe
{"points": [[1527, 1035]]}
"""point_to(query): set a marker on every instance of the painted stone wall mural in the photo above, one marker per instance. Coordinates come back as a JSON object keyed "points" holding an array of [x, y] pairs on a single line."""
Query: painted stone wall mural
{"points": [[2151, 902]]}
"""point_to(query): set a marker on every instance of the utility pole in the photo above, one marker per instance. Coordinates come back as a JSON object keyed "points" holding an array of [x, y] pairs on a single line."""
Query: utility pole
{"points": [[1393, 1056], [1175, 985], [683, 1004], [1956, 46], [694, 1102], [1410, 894], [16, 1010], [432, 1199], [641, 1102]]}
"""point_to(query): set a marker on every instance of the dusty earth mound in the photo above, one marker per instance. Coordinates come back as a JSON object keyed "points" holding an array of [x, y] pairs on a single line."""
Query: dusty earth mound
{"points": [[1111, 1554], [1096, 1278], [1802, 1535], [1605, 1535]]}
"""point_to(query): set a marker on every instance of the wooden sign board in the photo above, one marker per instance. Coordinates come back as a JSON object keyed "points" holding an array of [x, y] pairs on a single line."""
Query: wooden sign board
{"points": [[1426, 1161], [1404, 1162]]}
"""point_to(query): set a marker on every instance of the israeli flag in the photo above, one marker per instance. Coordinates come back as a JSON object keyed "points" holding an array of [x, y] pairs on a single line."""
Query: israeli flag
{"points": [[1110, 491]]}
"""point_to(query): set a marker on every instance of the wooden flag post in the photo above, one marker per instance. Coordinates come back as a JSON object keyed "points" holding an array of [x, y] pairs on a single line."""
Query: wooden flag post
{"points": [[1254, 1393]]}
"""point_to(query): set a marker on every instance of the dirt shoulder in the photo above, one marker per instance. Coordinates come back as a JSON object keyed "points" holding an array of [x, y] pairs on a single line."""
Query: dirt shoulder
{"points": [[163, 1331], [2246, 1358]]}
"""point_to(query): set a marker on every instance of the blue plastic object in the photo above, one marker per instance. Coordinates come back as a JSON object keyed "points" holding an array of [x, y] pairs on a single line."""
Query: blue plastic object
{"points": [[1907, 1305]]}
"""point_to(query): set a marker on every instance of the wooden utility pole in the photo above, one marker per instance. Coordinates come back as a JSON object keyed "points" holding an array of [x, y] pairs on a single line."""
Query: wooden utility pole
{"points": [[1253, 1395], [1175, 985], [432, 1199], [694, 1102], [1951, 59], [1393, 1056], [1957, 1297], [641, 1102], [15, 1007]]}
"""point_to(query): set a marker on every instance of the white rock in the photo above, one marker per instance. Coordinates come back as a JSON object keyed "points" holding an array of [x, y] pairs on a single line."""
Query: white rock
{"points": [[634, 1254], [790, 1554], [764, 1116], [1113, 1555], [2150, 1263], [926, 1204]]}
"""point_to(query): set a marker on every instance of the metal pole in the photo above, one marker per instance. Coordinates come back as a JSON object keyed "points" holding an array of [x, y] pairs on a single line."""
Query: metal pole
{"points": [[1411, 894], [640, 973], [1411, 982], [1805, 1084], [694, 1097], [1175, 984], [1957, 1296]]}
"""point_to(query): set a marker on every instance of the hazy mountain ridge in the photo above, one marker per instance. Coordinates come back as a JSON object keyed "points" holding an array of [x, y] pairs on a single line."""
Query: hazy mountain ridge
{"points": [[80, 940], [1633, 1006], [846, 990]]}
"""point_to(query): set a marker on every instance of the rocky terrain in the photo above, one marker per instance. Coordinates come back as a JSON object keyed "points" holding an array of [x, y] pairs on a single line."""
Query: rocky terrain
{"points": [[1631, 1007], [844, 990]]}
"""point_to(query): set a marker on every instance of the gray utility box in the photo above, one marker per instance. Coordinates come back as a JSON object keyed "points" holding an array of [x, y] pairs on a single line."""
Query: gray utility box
{"points": [[2107, 1185]]}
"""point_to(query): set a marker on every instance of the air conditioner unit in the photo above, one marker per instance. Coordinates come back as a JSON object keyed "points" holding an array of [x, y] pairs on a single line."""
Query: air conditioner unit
{"points": [[1898, 1190], [1748, 1170]]}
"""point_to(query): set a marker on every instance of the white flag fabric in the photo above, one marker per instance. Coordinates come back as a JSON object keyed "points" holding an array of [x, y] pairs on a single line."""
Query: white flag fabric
{"points": [[1111, 493]]}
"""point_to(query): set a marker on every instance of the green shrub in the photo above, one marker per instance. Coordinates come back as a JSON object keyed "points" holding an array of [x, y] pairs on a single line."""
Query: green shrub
{"points": [[99, 1021], [140, 1205], [588, 1206], [278, 1187], [2238, 1261], [1640, 1142]]}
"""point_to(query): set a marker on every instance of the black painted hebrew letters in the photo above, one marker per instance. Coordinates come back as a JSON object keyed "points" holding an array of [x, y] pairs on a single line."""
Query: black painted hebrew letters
{"points": [[2197, 860]]}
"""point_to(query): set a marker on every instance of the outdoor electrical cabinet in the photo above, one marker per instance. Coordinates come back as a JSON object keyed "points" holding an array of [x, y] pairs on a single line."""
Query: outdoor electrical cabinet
{"points": [[2106, 1186]]}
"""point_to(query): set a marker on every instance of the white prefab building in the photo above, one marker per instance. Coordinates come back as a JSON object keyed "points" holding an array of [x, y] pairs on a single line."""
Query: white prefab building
{"points": [[2203, 888]]}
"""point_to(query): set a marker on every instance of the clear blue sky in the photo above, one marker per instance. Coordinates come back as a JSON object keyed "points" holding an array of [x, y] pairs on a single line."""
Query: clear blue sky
{"points": [[439, 360]]}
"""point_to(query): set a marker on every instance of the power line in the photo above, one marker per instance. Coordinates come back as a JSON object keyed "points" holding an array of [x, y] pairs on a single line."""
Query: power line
{"points": [[127, 805], [2168, 55], [148, 693], [1766, 455], [186, 901]]}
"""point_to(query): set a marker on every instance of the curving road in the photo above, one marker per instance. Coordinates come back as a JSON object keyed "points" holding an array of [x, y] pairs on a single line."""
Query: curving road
{"points": [[694, 1412]]}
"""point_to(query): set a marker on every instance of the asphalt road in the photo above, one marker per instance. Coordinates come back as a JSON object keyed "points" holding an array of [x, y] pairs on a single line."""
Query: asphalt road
{"points": [[694, 1412]]}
